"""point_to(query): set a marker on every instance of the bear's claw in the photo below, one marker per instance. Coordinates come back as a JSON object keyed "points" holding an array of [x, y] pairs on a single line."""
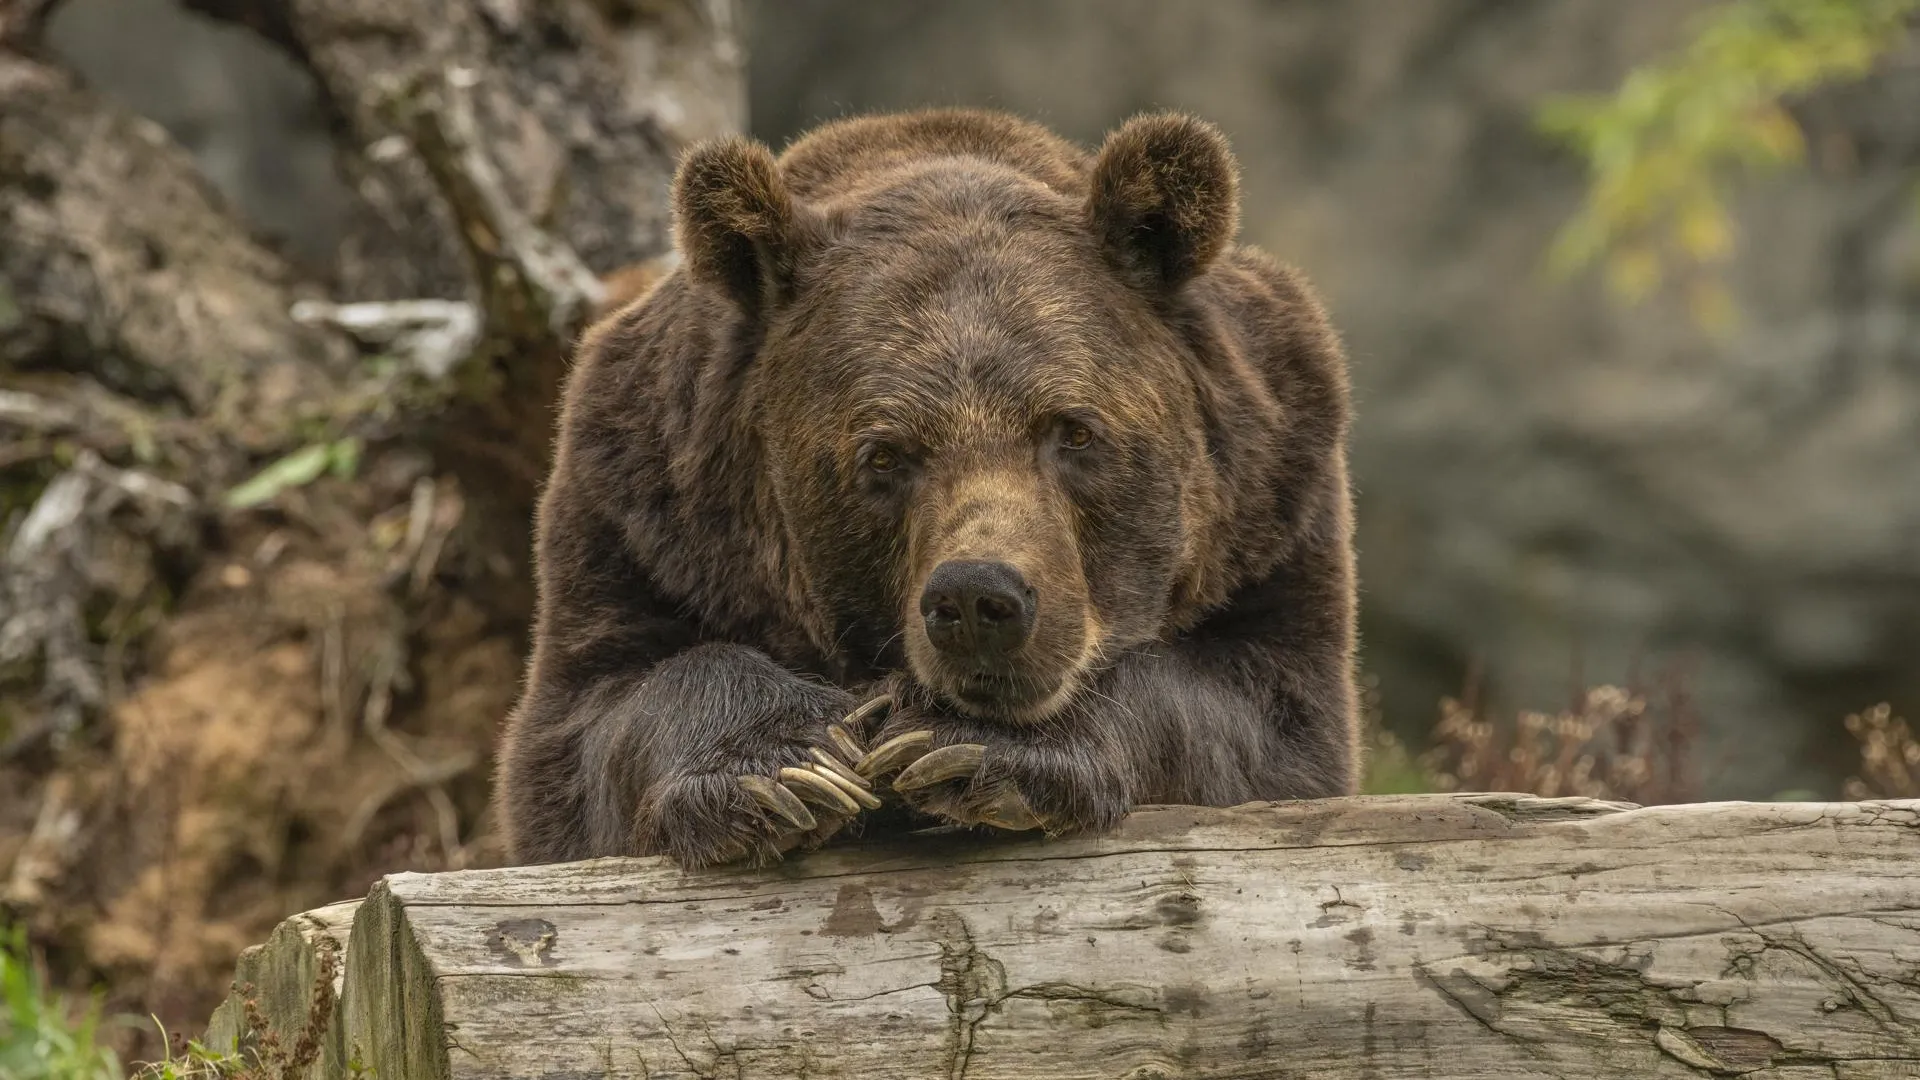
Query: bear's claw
{"points": [[894, 753], [857, 720], [826, 791], [1011, 812], [832, 787], [851, 782], [845, 743], [780, 802], [1005, 809], [946, 763], [810, 785]]}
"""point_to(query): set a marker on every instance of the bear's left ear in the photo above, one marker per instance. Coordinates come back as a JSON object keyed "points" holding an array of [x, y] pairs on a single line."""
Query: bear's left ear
{"points": [[740, 230], [1165, 198]]}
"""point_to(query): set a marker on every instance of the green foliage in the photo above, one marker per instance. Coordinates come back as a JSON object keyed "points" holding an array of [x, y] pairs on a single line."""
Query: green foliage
{"points": [[41, 1037], [302, 467], [1663, 149], [1393, 770], [196, 1063]]}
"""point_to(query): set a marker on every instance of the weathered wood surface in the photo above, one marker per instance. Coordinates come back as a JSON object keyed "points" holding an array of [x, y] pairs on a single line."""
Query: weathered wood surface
{"points": [[280, 978], [1480, 936]]}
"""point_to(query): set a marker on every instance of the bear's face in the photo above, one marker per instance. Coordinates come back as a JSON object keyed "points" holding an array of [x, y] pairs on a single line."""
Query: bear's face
{"points": [[965, 394], [979, 430]]}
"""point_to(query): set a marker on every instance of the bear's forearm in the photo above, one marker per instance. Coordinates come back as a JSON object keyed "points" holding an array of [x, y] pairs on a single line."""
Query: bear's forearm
{"points": [[586, 767], [1258, 700], [568, 759], [1223, 726]]}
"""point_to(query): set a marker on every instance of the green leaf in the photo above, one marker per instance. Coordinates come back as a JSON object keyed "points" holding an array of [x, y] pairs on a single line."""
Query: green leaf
{"points": [[42, 1035], [297, 469], [1663, 148], [344, 458]]}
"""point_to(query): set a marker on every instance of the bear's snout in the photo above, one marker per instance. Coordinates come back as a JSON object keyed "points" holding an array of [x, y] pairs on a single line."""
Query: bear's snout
{"points": [[999, 625], [977, 609]]}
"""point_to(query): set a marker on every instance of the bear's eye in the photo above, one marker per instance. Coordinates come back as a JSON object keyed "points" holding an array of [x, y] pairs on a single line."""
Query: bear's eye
{"points": [[883, 459], [1077, 437]]}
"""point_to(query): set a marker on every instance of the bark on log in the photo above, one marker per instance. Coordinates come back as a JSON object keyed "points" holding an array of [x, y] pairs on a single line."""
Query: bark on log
{"points": [[284, 983], [1470, 936]]}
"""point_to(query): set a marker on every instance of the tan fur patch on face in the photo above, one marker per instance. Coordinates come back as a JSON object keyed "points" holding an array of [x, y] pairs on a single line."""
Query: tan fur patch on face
{"points": [[1001, 511], [997, 510], [1092, 647]]}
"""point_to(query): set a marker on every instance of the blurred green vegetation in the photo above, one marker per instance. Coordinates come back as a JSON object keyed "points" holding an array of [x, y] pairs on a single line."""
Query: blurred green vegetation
{"points": [[43, 1036], [1393, 770], [340, 457], [1664, 150]]}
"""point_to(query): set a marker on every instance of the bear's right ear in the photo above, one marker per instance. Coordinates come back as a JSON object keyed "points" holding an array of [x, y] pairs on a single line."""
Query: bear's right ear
{"points": [[739, 229]]}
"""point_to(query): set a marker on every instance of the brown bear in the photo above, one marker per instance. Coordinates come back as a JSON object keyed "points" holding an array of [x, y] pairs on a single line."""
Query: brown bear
{"points": [[1000, 447]]}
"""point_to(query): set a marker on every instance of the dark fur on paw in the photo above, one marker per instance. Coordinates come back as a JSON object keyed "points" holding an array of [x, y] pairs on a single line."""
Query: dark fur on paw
{"points": [[796, 797]]}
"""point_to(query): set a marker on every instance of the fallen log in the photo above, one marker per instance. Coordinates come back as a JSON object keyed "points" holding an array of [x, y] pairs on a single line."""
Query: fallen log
{"points": [[1438, 936]]}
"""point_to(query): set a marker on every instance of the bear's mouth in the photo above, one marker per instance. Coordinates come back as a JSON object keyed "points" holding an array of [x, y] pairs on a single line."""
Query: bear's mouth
{"points": [[1007, 697], [995, 690]]}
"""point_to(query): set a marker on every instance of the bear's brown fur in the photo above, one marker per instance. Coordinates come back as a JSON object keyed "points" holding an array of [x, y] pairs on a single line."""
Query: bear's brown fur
{"points": [[916, 343]]}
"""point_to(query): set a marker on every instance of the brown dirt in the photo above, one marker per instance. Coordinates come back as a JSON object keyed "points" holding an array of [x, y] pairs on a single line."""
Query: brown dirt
{"points": [[318, 710]]}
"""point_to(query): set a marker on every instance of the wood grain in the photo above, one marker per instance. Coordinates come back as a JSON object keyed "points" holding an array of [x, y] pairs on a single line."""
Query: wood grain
{"points": [[280, 978], [1480, 936]]}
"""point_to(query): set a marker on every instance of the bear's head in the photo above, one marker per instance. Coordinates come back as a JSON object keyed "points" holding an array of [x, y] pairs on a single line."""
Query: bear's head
{"points": [[970, 385]]}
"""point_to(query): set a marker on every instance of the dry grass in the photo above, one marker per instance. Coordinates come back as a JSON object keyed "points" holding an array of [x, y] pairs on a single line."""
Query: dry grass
{"points": [[1889, 756], [1628, 743], [267, 1057], [1631, 743]]}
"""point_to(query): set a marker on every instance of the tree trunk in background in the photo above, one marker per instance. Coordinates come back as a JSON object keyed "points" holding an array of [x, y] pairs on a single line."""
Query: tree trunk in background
{"points": [[263, 580]]}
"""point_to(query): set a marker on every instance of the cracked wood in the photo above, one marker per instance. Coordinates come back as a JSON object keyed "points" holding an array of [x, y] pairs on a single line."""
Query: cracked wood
{"points": [[1478, 936]]}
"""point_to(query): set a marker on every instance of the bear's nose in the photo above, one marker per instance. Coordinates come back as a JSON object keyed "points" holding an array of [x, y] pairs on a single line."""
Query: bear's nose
{"points": [[976, 607]]}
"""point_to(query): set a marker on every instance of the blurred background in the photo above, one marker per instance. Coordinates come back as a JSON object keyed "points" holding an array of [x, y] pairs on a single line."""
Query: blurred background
{"points": [[1637, 378]]}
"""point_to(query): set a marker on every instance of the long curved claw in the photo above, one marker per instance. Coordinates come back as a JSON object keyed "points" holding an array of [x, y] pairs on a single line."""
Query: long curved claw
{"points": [[894, 753], [839, 768], [778, 801], [865, 798], [844, 743], [1010, 811], [946, 763], [856, 721], [819, 790], [855, 787]]}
